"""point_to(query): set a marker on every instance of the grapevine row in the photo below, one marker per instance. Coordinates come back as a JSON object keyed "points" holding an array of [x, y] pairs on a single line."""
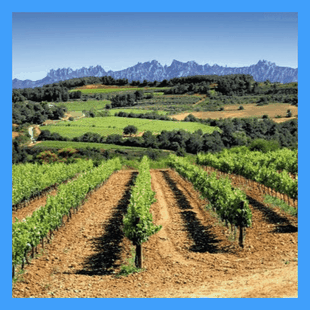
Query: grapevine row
{"points": [[28, 233], [224, 199], [283, 159], [280, 182], [29, 180], [138, 222]]}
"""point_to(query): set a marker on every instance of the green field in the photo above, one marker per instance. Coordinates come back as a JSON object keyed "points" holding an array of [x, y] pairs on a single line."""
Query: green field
{"points": [[81, 145], [84, 105], [115, 125], [72, 132], [116, 90]]}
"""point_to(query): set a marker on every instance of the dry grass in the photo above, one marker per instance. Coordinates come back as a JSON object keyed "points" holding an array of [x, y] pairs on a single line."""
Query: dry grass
{"points": [[250, 110]]}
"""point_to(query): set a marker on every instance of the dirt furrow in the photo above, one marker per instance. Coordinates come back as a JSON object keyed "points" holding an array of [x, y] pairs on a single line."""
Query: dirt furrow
{"points": [[38, 202], [34, 205], [86, 251], [192, 256]]}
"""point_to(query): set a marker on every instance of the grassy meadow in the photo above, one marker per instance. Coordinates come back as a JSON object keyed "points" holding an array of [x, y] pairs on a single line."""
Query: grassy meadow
{"points": [[115, 125]]}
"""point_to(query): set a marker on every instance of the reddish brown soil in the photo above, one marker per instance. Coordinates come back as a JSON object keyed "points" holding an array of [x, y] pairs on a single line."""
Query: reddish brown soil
{"points": [[190, 257], [250, 110]]}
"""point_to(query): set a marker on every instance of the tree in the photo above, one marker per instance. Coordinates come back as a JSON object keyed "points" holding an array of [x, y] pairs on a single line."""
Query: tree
{"points": [[114, 139], [149, 139], [138, 94], [18, 153], [288, 113], [194, 144], [129, 130]]}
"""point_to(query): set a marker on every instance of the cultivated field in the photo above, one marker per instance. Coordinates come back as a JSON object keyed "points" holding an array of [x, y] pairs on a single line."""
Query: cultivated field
{"points": [[227, 222], [136, 111], [193, 255], [85, 105], [250, 110]]}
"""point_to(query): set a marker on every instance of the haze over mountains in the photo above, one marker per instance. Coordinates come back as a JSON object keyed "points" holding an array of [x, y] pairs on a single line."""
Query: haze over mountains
{"points": [[151, 71]]}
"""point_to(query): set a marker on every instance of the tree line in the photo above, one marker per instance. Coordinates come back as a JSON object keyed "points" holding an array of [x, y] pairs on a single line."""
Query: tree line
{"points": [[35, 112], [234, 132], [234, 84]]}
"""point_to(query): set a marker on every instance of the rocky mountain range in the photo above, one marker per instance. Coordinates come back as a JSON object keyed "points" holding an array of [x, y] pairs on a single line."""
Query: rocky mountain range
{"points": [[153, 70]]}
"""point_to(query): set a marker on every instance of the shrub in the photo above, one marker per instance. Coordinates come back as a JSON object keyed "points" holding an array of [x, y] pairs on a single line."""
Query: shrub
{"points": [[181, 152], [241, 107], [265, 116], [48, 157], [262, 101], [152, 154], [264, 145], [114, 139], [288, 113], [71, 118]]}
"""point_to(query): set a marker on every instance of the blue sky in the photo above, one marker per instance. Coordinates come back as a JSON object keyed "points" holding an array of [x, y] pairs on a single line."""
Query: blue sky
{"points": [[44, 41]]}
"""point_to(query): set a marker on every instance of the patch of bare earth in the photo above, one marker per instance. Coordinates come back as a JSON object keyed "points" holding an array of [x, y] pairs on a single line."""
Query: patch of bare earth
{"points": [[191, 256], [15, 134], [250, 110]]}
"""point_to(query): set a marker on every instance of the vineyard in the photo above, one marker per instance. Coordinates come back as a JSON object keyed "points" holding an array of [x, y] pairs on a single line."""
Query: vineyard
{"points": [[260, 167], [135, 111], [189, 230], [84, 105], [170, 103]]}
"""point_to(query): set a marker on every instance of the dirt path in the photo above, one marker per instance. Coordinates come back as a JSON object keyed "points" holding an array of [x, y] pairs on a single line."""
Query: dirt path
{"points": [[78, 261], [190, 257], [201, 100]]}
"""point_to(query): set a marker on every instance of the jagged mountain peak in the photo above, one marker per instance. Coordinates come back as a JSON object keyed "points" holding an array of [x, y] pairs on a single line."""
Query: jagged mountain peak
{"points": [[266, 62], [153, 70]]}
